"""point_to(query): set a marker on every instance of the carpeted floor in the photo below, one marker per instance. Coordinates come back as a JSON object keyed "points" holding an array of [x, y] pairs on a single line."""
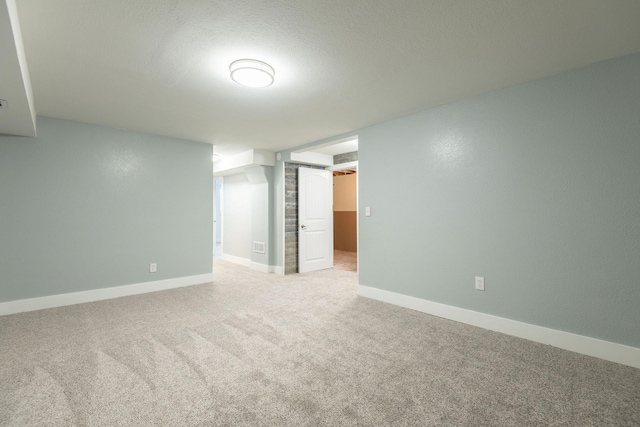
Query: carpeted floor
{"points": [[299, 350]]}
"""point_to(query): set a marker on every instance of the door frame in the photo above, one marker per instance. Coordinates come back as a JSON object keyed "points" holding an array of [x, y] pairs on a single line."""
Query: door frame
{"points": [[282, 158]]}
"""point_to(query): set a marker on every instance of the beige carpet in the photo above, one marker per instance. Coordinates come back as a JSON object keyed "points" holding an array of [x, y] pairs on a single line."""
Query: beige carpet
{"points": [[299, 350]]}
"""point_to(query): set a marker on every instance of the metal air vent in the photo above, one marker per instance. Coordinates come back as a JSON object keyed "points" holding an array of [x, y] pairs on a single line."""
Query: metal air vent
{"points": [[259, 247]]}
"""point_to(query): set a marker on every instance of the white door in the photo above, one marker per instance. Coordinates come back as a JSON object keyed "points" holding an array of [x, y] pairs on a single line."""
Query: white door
{"points": [[315, 219]]}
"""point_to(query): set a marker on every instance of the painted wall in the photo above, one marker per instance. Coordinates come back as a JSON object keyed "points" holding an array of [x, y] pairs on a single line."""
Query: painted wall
{"points": [[85, 207], [236, 226], [535, 187], [344, 193], [217, 210], [261, 180], [248, 215]]}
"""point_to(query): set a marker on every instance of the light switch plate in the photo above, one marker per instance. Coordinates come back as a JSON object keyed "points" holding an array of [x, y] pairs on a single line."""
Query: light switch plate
{"points": [[367, 211]]}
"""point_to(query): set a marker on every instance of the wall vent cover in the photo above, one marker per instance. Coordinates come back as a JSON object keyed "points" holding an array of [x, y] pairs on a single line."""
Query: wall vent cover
{"points": [[259, 247]]}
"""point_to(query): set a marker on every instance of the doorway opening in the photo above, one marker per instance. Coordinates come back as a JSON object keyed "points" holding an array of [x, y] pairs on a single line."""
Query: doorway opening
{"points": [[340, 159], [345, 219]]}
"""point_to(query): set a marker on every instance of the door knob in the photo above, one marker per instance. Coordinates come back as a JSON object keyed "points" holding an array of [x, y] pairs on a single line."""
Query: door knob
{"points": [[304, 227]]}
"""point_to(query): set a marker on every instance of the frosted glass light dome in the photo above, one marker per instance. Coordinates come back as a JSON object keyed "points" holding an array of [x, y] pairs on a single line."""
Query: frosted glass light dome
{"points": [[251, 73]]}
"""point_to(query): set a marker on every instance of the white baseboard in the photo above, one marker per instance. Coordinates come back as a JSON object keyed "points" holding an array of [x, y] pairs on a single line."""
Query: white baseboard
{"points": [[606, 350], [60, 300], [267, 268], [236, 260], [263, 268]]}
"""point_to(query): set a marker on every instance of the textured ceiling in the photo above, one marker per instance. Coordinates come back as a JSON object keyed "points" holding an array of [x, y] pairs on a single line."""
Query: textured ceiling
{"points": [[161, 66]]}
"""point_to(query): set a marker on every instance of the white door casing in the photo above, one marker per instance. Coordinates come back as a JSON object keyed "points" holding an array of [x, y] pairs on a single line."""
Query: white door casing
{"points": [[315, 219]]}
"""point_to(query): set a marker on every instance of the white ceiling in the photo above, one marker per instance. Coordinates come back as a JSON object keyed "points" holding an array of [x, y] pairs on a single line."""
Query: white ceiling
{"points": [[161, 66]]}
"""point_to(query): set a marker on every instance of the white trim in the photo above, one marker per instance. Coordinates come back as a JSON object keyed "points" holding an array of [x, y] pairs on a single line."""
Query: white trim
{"points": [[358, 218], [606, 350], [326, 144], [235, 164], [342, 166], [269, 269], [60, 300], [262, 268], [311, 158], [236, 259]]}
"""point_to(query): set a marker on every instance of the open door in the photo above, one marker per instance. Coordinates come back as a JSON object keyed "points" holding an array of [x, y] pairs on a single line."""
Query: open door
{"points": [[315, 219]]}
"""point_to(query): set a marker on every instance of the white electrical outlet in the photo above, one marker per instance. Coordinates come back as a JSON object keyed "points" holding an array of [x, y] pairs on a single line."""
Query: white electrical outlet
{"points": [[480, 283], [153, 267]]}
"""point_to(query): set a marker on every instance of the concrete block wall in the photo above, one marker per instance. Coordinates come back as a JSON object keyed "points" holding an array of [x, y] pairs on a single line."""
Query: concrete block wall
{"points": [[346, 157]]}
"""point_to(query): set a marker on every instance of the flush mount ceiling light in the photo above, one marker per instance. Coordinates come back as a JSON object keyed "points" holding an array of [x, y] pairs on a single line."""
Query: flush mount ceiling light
{"points": [[251, 73]]}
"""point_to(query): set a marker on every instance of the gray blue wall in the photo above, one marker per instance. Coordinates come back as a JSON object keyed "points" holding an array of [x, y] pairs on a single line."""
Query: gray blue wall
{"points": [[85, 207], [247, 200], [236, 214], [261, 213], [535, 187]]}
